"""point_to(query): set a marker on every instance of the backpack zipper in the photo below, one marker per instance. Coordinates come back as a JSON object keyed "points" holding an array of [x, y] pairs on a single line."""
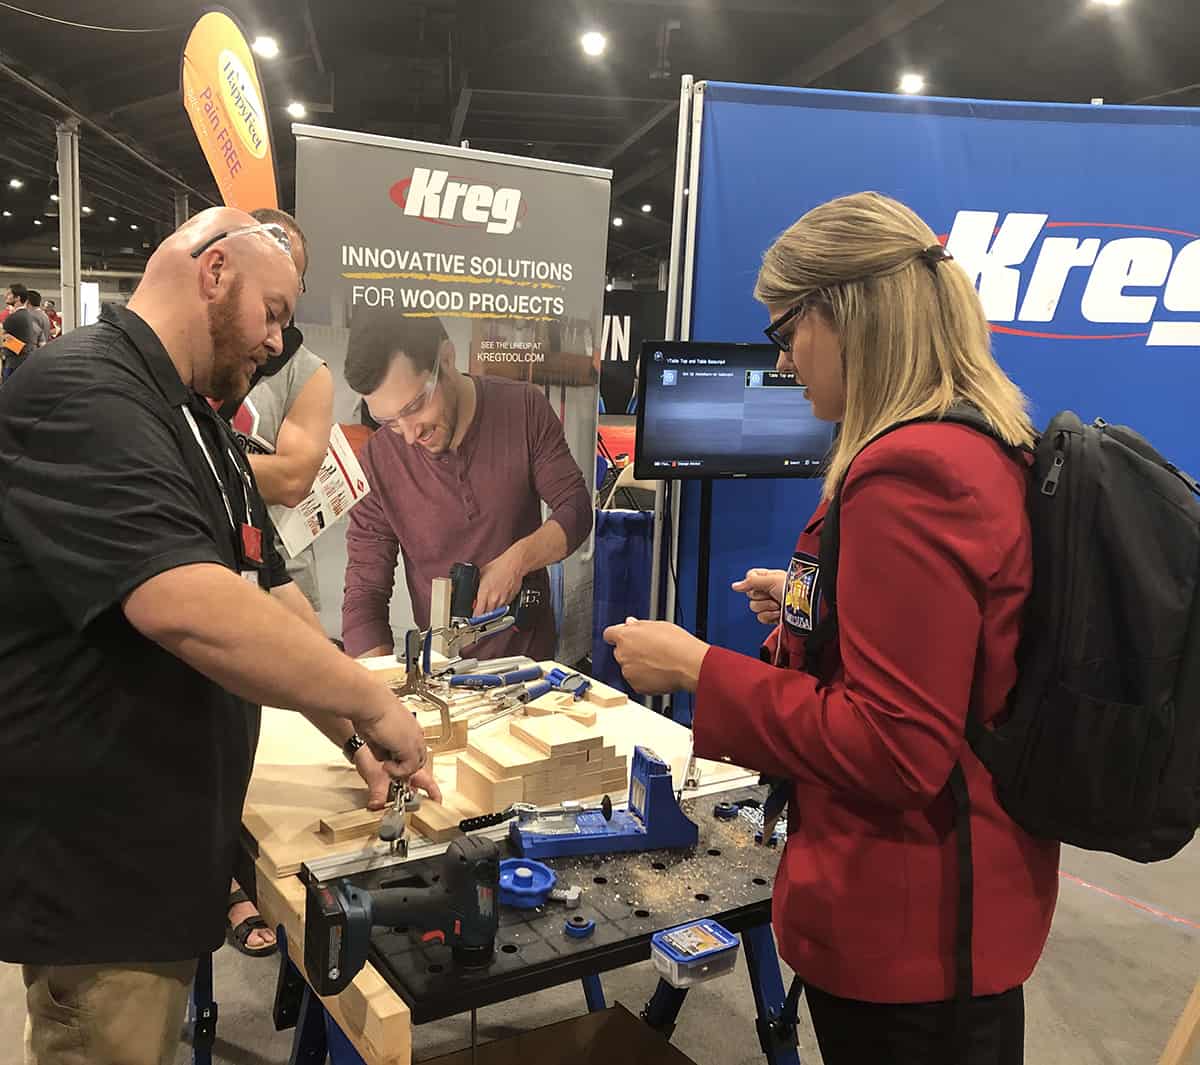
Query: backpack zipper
{"points": [[1050, 484]]}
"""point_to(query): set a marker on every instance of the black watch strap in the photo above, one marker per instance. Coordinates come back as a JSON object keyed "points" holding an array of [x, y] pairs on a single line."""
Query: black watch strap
{"points": [[351, 747]]}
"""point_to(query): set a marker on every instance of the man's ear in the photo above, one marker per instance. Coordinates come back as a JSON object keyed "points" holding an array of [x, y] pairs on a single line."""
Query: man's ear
{"points": [[213, 273]]}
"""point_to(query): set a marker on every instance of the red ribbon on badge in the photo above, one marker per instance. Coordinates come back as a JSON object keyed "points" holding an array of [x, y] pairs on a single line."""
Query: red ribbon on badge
{"points": [[252, 543]]}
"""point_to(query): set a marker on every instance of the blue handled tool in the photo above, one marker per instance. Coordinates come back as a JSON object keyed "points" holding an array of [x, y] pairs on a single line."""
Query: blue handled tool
{"points": [[495, 680], [565, 680]]}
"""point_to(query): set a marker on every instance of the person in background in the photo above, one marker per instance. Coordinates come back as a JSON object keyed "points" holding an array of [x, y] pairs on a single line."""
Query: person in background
{"points": [[934, 571], [15, 297], [284, 424], [35, 308], [21, 334], [55, 319], [458, 473], [138, 642]]}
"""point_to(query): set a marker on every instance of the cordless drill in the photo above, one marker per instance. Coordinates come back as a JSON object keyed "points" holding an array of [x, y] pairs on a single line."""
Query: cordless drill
{"points": [[461, 910], [464, 587]]}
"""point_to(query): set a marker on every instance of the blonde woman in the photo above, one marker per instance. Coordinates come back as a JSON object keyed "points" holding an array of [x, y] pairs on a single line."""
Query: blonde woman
{"points": [[881, 327]]}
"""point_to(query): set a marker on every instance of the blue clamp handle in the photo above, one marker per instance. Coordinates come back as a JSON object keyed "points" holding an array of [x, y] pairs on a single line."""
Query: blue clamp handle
{"points": [[491, 615], [495, 680], [536, 691], [568, 681], [427, 654]]}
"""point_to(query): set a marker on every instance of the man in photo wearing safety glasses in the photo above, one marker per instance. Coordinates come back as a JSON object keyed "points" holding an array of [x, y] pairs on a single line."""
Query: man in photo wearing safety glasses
{"points": [[459, 471], [147, 616]]}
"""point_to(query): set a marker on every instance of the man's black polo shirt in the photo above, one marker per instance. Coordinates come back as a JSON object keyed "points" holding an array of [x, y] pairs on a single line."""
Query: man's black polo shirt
{"points": [[123, 769]]}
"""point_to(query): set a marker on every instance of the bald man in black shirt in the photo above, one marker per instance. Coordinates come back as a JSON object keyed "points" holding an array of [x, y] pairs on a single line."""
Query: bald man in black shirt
{"points": [[146, 617]]}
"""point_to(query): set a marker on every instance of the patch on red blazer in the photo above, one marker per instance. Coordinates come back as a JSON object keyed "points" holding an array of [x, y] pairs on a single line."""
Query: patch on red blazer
{"points": [[802, 594]]}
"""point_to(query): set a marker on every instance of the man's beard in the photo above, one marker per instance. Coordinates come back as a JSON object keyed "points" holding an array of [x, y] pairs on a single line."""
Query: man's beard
{"points": [[227, 379]]}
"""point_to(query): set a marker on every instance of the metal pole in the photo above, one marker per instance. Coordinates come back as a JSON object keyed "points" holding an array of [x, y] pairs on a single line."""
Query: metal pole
{"points": [[68, 221], [181, 208], [681, 162]]}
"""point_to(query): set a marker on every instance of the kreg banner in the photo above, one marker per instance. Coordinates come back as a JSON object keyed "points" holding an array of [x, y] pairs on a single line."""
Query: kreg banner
{"points": [[223, 97], [505, 255], [1080, 226]]}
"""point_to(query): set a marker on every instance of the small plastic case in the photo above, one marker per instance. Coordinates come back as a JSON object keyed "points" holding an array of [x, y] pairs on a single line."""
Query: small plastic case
{"points": [[693, 953]]}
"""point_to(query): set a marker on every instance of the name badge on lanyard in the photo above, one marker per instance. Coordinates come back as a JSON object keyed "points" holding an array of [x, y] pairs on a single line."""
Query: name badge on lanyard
{"points": [[249, 536]]}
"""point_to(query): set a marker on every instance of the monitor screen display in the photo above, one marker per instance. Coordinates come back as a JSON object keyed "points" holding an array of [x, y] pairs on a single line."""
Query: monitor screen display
{"points": [[722, 410]]}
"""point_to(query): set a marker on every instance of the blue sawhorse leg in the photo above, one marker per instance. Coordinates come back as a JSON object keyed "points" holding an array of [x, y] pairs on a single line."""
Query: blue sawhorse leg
{"points": [[662, 1011], [202, 1012], [593, 992], [776, 1033]]}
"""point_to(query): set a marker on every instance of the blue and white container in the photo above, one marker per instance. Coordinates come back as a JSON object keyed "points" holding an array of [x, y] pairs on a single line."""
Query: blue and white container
{"points": [[693, 953]]}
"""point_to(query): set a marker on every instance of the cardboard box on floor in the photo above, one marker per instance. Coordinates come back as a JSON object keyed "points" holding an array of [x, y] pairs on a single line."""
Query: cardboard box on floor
{"points": [[612, 1035]]}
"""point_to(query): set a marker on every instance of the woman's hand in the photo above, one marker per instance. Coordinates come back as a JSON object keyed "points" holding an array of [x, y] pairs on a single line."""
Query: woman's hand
{"points": [[764, 589], [657, 657]]}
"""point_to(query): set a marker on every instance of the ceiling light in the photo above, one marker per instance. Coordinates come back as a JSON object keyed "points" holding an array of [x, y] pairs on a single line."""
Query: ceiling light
{"points": [[267, 47], [593, 43], [296, 109], [54, 247], [86, 210], [37, 221], [54, 197], [112, 217], [646, 208], [16, 183], [912, 83], [608, 287], [8, 214], [618, 221], [1108, 3], [133, 225]]}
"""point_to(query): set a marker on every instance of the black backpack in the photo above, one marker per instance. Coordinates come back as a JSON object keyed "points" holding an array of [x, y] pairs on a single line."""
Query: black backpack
{"points": [[1100, 743]]}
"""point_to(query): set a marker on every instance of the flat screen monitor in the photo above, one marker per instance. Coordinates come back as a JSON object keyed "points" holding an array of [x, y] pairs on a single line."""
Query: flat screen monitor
{"points": [[722, 410]]}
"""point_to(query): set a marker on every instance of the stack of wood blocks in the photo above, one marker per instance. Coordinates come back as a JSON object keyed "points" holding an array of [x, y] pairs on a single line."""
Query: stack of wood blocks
{"points": [[540, 760]]}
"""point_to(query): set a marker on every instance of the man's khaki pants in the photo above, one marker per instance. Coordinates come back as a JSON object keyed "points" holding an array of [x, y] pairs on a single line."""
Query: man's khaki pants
{"points": [[104, 1014]]}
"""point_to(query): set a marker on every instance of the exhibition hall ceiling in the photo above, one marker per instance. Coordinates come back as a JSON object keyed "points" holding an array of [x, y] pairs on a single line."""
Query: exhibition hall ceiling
{"points": [[584, 81]]}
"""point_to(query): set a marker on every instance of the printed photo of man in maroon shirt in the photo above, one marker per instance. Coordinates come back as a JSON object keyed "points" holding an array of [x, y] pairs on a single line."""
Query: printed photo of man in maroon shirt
{"points": [[459, 470]]}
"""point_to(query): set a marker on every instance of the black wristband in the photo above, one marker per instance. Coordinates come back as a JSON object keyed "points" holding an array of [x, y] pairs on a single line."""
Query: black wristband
{"points": [[351, 747]]}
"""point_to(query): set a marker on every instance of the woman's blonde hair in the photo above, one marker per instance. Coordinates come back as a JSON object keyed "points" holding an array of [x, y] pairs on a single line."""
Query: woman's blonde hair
{"points": [[914, 337]]}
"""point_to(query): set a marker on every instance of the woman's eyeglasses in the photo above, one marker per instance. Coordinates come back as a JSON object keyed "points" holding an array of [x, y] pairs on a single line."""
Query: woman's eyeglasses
{"points": [[776, 330]]}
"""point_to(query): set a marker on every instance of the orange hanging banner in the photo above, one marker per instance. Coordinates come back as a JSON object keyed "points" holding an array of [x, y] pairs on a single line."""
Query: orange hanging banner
{"points": [[223, 97]]}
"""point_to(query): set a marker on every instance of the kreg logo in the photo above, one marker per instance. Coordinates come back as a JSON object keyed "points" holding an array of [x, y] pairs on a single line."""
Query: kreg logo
{"points": [[433, 195], [993, 252]]}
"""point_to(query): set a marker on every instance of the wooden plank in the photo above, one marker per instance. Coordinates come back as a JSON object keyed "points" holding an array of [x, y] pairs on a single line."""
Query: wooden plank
{"points": [[1186, 1036], [601, 754], [439, 611], [602, 695], [484, 790], [557, 703], [353, 824], [555, 735], [507, 756], [439, 821], [373, 1017]]}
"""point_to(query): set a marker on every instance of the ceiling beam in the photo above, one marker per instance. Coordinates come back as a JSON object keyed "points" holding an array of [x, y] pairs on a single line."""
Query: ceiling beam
{"points": [[615, 152], [595, 98], [897, 16], [641, 175], [793, 8], [60, 104]]}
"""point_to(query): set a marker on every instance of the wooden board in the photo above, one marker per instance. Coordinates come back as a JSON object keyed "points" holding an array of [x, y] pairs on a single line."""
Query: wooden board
{"points": [[487, 792], [564, 705], [439, 821], [353, 824], [555, 735], [506, 755], [1186, 1037], [603, 695]]}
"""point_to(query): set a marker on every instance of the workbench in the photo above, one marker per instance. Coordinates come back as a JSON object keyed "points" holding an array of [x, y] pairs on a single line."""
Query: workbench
{"points": [[300, 778]]}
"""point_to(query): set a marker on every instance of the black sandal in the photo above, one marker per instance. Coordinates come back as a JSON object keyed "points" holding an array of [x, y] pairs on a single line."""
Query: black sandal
{"points": [[238, 937]]}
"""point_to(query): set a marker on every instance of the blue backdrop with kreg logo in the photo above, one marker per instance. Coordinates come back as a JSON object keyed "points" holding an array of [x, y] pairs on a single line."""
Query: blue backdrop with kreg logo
{"points": [[1080, 224]]}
